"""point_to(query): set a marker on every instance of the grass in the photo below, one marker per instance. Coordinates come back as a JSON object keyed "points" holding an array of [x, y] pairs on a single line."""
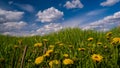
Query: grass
{"points": [[72, 41]]}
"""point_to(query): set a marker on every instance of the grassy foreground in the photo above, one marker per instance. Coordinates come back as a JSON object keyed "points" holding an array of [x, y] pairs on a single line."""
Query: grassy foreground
{"points": [[68, 48]]}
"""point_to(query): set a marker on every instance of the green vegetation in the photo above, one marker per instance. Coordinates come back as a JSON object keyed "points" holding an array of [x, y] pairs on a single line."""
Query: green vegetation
{"points": [[68, 48]]}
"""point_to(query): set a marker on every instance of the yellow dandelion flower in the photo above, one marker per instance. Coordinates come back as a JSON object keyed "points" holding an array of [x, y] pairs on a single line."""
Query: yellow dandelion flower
{"points": [[48, 53], [109, 34], [81, 49], [116, 40], [37, 44], [61, 44], [65, 55], [90, 39], [99, 43], [39, 60], [51, 46], [45, 40], [68, 61], [53, 62], [97, 58]]}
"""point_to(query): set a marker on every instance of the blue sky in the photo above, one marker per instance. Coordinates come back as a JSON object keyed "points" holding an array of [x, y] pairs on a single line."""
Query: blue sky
{"points": [[31, 17]]}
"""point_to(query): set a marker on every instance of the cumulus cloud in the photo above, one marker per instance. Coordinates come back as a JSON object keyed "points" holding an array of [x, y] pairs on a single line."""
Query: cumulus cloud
{"points": [[105, 22], [49, 15], [109, 2], [10, 15], [10, 21], [73, 4], [11, 26], [52, 27]]}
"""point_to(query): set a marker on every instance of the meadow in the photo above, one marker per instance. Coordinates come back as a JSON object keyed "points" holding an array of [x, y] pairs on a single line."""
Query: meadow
{"points": [[68, 48]]}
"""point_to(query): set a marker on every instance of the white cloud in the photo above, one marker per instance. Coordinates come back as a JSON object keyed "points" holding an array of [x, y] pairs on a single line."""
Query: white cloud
{"points": [[10, 15], [49, 15], [52, 27], [106, 22], [109, 2], [14, 25], [11, 26], [73, 4]]}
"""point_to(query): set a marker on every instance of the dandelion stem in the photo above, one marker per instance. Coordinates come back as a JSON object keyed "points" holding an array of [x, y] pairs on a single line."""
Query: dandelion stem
{"points": [[23, 57]]}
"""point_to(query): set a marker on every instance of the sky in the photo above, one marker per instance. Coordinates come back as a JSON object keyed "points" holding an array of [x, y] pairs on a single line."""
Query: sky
{"points": [[40, 17]]}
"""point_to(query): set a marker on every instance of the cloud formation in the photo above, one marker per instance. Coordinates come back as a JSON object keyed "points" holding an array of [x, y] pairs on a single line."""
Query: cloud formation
{"points": [[105, 22], [11, 21], [49, 15], [73, 4], [52, 27], [6, 16], [109, 2]]}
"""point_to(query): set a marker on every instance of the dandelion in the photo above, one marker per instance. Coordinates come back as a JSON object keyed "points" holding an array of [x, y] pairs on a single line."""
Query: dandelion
{"points": [[48, 53], [45, 40], [109, 34], [65, 55], [81, 49], [61, 44], [51, 46], [99, 43], [53, 62], [116, 40], [67, 61], [38, 45], [90, 39], [97, 58], [39, 60]]}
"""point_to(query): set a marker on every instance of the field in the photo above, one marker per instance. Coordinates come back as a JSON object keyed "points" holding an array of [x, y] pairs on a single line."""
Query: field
{"points": [[68, 48]]}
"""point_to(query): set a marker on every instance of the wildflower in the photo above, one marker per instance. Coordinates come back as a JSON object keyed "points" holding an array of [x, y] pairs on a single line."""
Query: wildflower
{"points": [[61, 44], [97, 57], [45, 40], [81, 49], [53, 62], [99, 43], [65, 55], [116, 40], [90, 39], [48, 53], [38, 45], [51, 46], [39, 60], [67, 61], [109, 34]]}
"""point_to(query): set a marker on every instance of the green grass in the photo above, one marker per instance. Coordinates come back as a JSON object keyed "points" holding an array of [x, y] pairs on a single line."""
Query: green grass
{"points": [[70, 39]]}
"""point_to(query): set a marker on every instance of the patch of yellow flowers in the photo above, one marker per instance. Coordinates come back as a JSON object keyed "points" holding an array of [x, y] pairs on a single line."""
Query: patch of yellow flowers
{"points": [[38, 44], [68, 61], [97, 58]]}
